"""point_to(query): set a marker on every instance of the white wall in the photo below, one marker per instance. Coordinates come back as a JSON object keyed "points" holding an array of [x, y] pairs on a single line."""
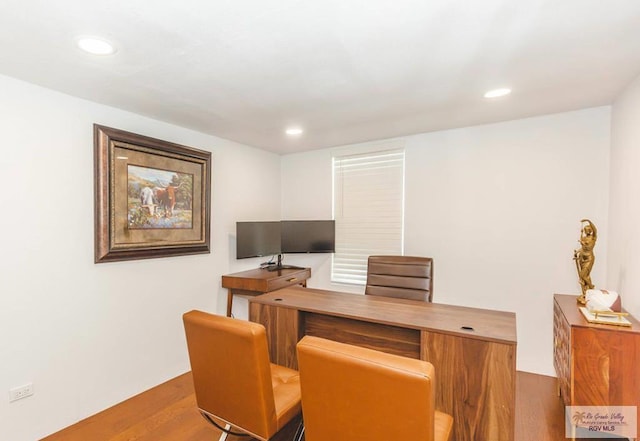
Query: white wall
{"points": [[623, 273], [89, 336], [306, 195], [498, 207]]}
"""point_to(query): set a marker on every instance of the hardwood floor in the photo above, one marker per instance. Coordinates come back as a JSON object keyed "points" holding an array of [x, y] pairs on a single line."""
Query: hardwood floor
{"points": [[539, 409], [168, 413]]}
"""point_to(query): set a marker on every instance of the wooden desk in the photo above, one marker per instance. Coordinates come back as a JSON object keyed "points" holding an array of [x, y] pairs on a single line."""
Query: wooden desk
{"points": [[258, 281], [475, 369]]}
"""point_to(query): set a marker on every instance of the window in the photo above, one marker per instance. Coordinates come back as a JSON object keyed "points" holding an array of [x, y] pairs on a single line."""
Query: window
{"points": [[368, 207]]}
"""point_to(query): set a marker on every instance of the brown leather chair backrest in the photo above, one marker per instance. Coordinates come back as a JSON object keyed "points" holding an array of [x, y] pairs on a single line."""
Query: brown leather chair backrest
{"points": [[354, 393], [231, 371], [400, 276]]}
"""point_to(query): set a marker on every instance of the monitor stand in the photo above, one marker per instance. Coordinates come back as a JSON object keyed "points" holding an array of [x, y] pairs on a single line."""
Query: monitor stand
{"points": [[279, 266]]}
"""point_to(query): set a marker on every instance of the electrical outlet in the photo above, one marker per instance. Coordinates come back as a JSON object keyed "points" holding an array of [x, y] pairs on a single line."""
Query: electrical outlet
{"points": [[18, 393]]}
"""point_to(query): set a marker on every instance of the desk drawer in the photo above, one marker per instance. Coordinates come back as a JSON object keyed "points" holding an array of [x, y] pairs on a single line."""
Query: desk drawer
{"points": [[290, 279]]}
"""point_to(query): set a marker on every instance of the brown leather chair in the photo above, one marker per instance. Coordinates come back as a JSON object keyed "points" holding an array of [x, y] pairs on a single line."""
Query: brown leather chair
{"points": [[350, 393], [405, 277], [234, 381]]}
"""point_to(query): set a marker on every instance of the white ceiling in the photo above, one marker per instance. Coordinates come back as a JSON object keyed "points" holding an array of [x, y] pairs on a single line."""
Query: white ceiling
{"points": [[346, 70]]}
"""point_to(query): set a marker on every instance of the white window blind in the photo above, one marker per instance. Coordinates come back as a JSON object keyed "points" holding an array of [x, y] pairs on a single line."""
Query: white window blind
{"points": [[368, 207]]}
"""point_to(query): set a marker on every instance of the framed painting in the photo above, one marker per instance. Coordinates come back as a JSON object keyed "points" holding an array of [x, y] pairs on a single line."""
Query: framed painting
{"points": [[151, 197]]}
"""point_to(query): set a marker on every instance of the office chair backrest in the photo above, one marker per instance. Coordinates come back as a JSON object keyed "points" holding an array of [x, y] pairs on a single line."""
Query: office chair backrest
{"points": [[231, 371], [350, 393], [400, 276]]}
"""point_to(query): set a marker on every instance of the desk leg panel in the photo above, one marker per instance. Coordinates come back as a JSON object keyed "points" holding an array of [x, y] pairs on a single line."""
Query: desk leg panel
{"points": [[390, 339], [475, 383], [283, 331]]}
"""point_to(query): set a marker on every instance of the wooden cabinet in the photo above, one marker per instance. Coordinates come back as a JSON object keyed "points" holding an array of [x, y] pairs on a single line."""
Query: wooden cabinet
{"points": [[258, 281], [596, 364]]}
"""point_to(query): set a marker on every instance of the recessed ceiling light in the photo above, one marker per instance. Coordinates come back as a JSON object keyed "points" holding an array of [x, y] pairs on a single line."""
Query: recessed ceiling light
{"points": [[293, 131], [96, 46], [495, 93]]}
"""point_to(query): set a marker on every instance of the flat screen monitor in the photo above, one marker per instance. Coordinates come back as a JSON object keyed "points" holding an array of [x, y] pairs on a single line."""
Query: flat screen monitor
{"points": [[312, 236], [256, 239]]}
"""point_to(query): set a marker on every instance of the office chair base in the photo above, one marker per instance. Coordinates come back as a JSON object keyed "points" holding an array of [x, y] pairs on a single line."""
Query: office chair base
{"points": [[226, 430], [299, 436], [225, 433]]}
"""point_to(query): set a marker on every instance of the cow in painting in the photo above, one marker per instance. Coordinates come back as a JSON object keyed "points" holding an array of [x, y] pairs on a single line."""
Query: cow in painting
{"points": [[147, 200], [166, 198]]}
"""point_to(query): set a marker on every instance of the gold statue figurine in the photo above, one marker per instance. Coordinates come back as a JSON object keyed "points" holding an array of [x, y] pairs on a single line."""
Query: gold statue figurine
{"points": [[585, 258]]}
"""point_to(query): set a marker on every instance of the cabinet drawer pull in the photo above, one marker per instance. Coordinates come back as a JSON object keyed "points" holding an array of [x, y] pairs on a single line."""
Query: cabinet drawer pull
{"points": [[292, 279]]}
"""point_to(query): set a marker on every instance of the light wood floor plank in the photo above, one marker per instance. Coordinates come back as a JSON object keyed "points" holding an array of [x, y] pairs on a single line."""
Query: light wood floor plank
{"points": [[168, 413]]}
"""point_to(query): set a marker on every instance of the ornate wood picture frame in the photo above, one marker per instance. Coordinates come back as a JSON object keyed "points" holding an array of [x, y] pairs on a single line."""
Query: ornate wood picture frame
{"points": [[152, 197]]}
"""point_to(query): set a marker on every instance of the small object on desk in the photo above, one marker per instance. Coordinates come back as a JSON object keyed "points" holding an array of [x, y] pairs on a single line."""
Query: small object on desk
{"points": [[605, 317], [603, 300]]}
